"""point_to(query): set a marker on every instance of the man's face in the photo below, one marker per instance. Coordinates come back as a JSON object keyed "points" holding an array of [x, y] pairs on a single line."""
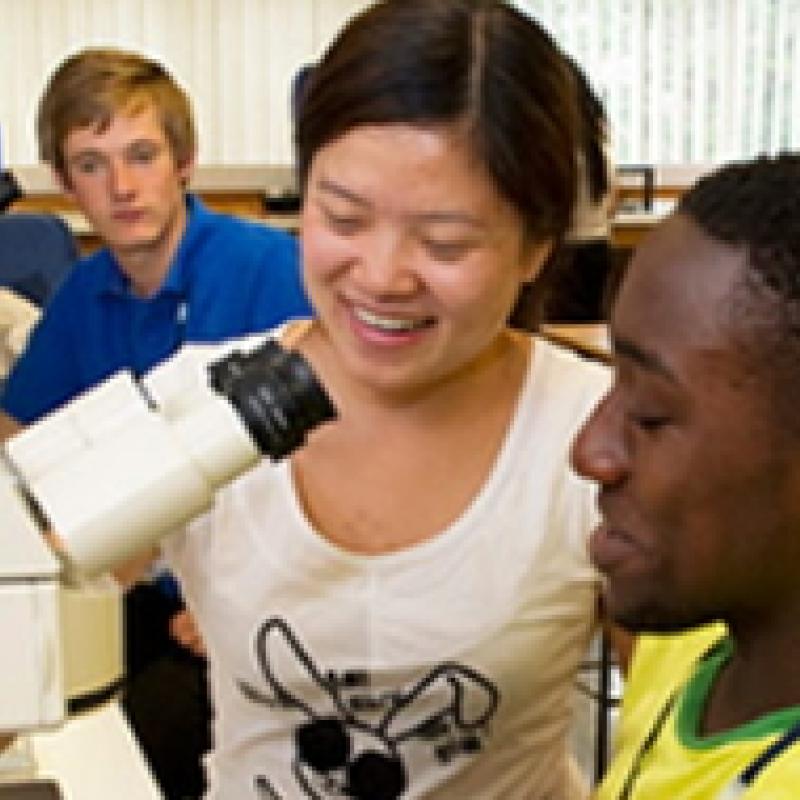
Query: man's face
{"points": [[126, 181], [698, 489]]}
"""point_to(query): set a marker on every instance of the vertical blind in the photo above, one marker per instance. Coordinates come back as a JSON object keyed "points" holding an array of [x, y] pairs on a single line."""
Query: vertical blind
{"points": [[687, 81], [683, 81], [235, 57]]}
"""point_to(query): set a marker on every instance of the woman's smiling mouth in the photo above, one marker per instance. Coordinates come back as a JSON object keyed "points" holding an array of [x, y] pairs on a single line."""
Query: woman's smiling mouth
{"points": [[390, 324]]}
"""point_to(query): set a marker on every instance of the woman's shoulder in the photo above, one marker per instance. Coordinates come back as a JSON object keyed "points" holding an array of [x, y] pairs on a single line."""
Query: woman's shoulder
{"points": [[562, 368]]}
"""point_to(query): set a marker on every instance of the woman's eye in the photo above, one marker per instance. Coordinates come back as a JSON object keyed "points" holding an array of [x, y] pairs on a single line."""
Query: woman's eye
{"points": [[343, 223], [446, 251]]}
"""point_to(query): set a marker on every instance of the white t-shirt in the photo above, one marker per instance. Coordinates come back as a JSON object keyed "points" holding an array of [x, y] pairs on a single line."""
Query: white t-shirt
{"points": [[452, 661]]}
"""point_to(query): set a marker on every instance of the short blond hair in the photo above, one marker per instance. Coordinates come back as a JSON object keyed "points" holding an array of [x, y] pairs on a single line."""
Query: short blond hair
{"points": [[91, 86]]}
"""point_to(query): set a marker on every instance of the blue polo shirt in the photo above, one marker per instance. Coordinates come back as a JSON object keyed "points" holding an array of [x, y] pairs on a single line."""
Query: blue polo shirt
{"points": [[229, 277]]}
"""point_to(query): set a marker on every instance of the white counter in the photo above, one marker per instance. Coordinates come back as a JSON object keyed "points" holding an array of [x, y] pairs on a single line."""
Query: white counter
{"points": [[93, 756]]}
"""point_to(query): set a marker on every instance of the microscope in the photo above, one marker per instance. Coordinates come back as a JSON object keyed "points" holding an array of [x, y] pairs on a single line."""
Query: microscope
{"points": [[106, 476]]}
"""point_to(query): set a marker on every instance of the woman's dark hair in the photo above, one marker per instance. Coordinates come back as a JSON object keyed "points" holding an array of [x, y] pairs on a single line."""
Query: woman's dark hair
{"points": [[479, 65], [592, 134]]}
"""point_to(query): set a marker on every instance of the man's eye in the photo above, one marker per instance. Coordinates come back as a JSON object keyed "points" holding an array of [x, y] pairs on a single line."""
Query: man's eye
{"points": [[143, 155], [650, 423], [86, 166]]}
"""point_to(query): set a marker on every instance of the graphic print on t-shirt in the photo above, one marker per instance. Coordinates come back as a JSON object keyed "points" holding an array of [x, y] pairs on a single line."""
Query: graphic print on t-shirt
{"points": [[352, 744]]}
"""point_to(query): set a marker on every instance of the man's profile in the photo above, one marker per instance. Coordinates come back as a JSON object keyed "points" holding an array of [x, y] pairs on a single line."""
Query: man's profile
{"points": [[696, 449]]}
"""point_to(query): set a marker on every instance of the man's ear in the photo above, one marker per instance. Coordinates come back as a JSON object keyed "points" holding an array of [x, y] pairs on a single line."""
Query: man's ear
{"points": [[186, 168]]}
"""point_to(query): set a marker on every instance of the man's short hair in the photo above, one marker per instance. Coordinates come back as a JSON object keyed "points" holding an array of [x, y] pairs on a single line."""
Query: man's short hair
{"points": [[755, 205], [91, 86]]}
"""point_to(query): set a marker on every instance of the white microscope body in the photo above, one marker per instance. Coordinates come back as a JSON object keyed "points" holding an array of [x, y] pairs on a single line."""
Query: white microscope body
{"points": [[110, 474]]}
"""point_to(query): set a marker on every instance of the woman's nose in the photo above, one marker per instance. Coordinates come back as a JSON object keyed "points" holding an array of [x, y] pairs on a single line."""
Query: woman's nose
{"points": [[386, 264]]}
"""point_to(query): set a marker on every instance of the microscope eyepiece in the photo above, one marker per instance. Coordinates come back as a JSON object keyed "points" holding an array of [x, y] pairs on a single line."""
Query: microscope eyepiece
{"points": [[276, 394]]}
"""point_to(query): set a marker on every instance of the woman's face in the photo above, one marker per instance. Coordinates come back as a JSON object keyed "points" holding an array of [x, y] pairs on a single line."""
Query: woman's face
{"points": [[411, 257]]}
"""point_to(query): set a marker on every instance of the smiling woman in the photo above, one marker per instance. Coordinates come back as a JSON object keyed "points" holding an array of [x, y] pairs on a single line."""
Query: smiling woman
{"points": [[413, 593], [412, 258]]}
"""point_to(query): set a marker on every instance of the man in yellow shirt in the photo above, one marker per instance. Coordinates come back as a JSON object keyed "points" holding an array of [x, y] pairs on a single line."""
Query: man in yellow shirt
{"points": [[696, 449]]}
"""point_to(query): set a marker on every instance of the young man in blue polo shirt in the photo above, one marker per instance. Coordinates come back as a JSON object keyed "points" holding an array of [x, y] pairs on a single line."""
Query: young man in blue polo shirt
{"points": [[119, 134]]}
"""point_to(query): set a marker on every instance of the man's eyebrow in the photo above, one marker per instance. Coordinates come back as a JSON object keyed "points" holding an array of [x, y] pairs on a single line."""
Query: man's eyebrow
{"points": [[147, 140], [646, 359], [86, 151]]}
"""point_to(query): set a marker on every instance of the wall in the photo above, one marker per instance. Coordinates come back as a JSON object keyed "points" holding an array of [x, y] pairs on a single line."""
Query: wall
{"points": [[236, 58], [687, 81], [683, 81]]}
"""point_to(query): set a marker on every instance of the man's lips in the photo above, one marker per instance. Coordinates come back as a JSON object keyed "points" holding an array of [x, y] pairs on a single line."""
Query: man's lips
{"points": [[610, 547], [128, 215]]}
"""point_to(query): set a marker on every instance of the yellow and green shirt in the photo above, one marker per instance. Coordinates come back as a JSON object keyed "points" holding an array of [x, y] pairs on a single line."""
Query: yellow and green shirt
{"points": [[681, 764]]}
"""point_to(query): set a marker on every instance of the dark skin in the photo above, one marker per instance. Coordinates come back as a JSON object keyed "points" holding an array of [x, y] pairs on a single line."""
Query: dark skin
{"points": [[699, 478]]}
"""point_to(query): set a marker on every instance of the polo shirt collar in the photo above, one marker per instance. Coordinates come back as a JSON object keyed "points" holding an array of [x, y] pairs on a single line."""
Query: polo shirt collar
{"points": [[112, 280]]}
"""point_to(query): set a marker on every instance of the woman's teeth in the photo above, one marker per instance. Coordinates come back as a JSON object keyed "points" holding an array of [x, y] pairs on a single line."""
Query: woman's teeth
{"points": [[390, 324]]}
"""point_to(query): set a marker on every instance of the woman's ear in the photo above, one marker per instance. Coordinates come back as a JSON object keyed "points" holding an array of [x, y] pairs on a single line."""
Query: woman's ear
{"points": [[534, 257]]}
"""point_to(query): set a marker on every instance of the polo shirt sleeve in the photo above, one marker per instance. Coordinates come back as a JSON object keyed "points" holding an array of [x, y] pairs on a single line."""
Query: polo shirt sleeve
{"points": [[43, 377]]}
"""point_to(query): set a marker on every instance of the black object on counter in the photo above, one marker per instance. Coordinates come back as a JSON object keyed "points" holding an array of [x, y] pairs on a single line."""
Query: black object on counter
{"points": [[10, 190], [648, 173]]}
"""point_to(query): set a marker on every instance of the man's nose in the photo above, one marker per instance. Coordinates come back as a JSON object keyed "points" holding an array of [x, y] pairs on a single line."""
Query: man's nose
{"points": [[599, 451], [121, 179]]}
